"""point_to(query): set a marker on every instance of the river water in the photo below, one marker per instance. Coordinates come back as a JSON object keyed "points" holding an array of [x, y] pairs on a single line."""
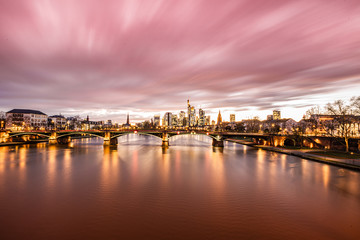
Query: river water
{"points": [[188, 191]]}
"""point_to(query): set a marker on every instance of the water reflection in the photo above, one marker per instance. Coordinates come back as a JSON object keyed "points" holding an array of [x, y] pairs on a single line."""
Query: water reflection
{"points": [[140, 190], [51, 167], [109, 178], [217, 171]]}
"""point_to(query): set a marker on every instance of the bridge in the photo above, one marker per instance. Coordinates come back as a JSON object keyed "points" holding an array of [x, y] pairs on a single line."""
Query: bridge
{"points": [[218, 138], [109, 137]]}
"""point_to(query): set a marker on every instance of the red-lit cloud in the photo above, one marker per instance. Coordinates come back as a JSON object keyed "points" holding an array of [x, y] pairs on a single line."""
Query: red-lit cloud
{"points": [[106, 57]]}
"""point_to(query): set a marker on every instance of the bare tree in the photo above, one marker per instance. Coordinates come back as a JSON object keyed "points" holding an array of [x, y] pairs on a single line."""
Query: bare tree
{"points": [[342, 119], [312, 111], [253, 125], [355, 102], [311, 118]]}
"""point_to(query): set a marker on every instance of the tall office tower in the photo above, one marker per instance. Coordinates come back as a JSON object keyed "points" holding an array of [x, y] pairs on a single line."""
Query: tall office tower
{"points": [[232, 118], [189, 112], [186, 122], [192, 116], [201, 117], [276, 115], [168, 119], [157, 120], [174, 120], [182, 119]]}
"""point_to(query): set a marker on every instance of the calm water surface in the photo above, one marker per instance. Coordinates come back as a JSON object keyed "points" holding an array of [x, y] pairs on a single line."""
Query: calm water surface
{"points": [[188, 191]]}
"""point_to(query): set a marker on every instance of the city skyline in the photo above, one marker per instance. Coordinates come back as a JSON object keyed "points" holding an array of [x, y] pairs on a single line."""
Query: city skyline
{"points": [[227, 115], [243, 57]]}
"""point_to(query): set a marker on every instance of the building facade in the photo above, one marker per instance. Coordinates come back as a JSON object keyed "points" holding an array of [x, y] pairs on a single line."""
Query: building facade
{"points": [[232, 118], [157, 120], [57, 122], [276, 115], [167, 119], [201, 118], [26, 119]]}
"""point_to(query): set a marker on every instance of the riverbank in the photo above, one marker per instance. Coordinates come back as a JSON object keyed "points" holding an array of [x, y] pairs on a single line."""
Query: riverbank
{"points": [[36, 141], [22, 143], [310, 154]]}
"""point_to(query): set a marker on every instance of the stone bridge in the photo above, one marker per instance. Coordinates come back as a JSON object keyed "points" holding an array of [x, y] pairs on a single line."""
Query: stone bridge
{"points": [[110, 137]]}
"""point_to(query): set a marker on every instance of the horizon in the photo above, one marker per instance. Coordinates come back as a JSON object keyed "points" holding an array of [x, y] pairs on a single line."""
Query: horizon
{"points": [[224, 113]]}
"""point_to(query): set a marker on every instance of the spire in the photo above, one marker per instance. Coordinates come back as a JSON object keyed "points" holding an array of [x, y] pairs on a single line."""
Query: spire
{"points": [[219, 119], [127, 120]]}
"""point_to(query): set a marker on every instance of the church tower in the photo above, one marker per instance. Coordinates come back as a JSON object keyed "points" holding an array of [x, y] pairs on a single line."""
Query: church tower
{"points": [[219, 119]]}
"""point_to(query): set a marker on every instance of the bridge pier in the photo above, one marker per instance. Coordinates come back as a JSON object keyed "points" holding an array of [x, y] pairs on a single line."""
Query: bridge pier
{"points": [[4, 137], [218, 141], [108, 141], [53, 138], [165, 140]]}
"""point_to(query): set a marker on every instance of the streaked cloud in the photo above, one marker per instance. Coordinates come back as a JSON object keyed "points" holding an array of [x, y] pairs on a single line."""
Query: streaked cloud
{"points": [[112, 57]]}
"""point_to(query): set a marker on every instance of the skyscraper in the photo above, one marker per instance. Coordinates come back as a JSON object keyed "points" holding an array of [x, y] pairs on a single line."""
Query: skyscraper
{"points": [[174, 120], [157, 120], [182, 119], [192, 116], [168, 119], [189, 112], [201, 117]]}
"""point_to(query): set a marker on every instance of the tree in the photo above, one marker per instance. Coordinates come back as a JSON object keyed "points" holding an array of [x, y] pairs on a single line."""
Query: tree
{"points": [[355, 103], [311, 119], [240, 127], [253, 125], [146, 124], [342, 119], [274, 128], [312, 111]]}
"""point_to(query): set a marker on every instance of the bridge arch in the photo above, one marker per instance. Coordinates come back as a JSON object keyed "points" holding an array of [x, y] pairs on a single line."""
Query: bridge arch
{"points": [[194, 134], [79, 133], [139, 133], [289, 142]]}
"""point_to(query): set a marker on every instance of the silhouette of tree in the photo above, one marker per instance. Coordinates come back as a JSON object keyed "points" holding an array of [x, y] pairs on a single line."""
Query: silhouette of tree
{"points": [[340, 126]]}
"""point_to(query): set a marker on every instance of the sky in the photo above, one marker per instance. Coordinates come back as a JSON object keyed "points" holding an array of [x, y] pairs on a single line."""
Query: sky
{"points": [[109, 58]]}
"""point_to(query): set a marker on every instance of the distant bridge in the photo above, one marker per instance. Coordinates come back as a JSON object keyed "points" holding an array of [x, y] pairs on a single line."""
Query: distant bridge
{"points": [[110, 137]]}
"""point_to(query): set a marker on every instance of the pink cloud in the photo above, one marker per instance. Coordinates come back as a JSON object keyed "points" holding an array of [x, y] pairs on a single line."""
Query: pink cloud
{"points": [[154, 55]]}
